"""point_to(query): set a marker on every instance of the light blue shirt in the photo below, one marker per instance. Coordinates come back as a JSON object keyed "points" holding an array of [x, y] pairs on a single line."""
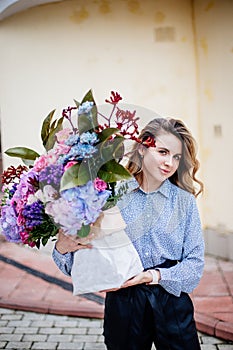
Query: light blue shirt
{"points": [[164, 224]]}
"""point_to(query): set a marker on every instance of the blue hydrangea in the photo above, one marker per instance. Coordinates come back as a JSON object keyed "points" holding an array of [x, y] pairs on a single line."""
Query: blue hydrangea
{"points": [[85, 107], [86, 202], [72, 140], [88, 137]]}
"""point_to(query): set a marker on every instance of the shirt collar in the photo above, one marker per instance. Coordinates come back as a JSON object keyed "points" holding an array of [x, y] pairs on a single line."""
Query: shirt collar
{"points": [[164, 189]]}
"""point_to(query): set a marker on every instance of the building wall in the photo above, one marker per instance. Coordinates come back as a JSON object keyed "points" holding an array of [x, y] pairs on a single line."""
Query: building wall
{"points": [[169, 57]]}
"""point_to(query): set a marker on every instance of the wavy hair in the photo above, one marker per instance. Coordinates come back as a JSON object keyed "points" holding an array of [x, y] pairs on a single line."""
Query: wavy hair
{"points": [[185, 176]]}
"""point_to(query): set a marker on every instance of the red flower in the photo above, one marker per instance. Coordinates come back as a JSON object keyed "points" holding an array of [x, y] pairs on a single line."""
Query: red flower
{"points": [[149, 142], [114, 98], [11, 173]]}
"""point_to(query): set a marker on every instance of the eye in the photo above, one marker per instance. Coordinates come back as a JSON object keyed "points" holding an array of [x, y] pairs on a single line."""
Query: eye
{"points": [[177, 157], [163, 152]]}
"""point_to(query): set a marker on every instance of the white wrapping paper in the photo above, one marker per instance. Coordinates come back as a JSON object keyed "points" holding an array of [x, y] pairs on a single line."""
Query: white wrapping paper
{"points": [[110, 262]]}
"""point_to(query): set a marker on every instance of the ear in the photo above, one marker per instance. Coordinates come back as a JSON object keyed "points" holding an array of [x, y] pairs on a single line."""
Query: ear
{"points": [[141, 150]]}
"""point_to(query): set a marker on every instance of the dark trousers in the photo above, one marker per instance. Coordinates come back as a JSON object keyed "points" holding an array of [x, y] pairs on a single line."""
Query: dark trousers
{"points": [[135, 317]]}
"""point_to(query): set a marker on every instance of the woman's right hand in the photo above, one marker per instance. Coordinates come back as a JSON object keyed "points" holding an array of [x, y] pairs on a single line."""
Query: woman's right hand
{"points": [[67, 243]]}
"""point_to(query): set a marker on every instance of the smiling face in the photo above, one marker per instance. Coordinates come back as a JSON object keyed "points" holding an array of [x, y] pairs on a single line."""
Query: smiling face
{"points": [[160, 162]]}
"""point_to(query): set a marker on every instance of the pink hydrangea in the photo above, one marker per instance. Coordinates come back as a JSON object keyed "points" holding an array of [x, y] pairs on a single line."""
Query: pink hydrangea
{"points": [[63, 135], [61, 148], [40, 163], [100, 185]]}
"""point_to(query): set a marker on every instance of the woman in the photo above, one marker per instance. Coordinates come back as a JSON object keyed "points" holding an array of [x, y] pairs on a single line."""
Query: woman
{"points": [[164, 225]]}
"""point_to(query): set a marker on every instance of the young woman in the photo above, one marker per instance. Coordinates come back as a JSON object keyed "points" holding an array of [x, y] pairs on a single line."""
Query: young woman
{"points": [[164, 225]]}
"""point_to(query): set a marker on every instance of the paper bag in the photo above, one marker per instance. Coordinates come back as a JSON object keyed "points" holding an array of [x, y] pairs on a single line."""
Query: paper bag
{"points": [[110, 262]]}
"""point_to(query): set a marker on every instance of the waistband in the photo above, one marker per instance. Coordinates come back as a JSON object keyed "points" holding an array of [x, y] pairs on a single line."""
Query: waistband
{"points": [[166, 264]]}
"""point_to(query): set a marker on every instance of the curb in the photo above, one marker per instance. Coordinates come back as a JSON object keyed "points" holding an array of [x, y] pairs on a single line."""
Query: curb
{"points": [[48, 308], [214, 327]]}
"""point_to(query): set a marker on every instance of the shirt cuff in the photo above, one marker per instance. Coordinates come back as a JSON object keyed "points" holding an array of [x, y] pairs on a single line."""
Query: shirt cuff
{"points": [[155, 277]]}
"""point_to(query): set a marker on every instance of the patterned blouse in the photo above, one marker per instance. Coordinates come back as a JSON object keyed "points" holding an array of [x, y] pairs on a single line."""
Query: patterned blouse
{"points": [[163, 224]]}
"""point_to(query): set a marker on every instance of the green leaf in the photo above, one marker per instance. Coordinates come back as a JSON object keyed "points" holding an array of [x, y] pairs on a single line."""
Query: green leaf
{"points": [[28, 162], [113, 172], [22, 152], [112, 149], [55, 127], [75, 176], [88, 121], [76, 103], [84, 231], [45, 130], [88, 97], [106, 133]]}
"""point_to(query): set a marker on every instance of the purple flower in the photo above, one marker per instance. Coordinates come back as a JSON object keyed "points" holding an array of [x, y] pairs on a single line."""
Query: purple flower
{"points": [[52, 174], [33, 214], [8, 223]]}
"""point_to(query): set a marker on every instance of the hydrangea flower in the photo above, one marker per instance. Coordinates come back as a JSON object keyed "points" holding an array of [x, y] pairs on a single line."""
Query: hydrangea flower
{"points": [[85, 107], [8, 222]]}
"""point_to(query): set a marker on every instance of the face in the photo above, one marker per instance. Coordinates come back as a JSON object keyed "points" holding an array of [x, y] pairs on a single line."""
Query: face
{"points": [[160, 162]]}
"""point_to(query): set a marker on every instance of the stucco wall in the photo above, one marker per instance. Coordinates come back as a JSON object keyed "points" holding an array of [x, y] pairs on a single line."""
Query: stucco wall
{"points": [[171, 57]]}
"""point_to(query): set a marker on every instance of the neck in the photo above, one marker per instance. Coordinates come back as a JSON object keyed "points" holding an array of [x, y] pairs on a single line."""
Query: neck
{"points": [[150, 187]]}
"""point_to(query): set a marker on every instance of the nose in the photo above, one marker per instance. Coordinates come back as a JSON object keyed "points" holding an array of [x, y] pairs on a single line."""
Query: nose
{"points": [[169, 160]]}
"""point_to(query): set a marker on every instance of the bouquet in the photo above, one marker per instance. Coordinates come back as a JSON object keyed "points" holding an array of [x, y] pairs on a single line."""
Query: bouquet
{"points": [[74, 181]]}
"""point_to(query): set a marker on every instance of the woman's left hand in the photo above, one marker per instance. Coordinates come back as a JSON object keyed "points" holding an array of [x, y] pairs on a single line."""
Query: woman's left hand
{"points": [[142, 277]]}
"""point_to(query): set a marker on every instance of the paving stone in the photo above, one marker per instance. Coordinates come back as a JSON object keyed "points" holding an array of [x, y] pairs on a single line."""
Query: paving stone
{"points": [[26, 330], [7, 329], [45, 346], [89, 323], [75, 330], [208, 347], [95, 331], [35, 337], [19, 323], [70, 346], [10, 337], [3, 323], [12, 317], [66, 324], [2, 344], [51, 330], [85, 338], [210, 340], [19, 345], [55, 317], [6, 311], [33, 316], [91, 346], [42, 323], [100, 339], [60, 338], [225, 347]]}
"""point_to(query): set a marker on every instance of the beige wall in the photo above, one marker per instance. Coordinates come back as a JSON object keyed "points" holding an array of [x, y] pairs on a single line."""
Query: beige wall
{"points": [[172, 57], [215, 63]]}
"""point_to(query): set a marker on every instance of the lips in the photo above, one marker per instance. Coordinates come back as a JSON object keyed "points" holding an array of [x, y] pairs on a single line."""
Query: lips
{"points": [[164, 171]]}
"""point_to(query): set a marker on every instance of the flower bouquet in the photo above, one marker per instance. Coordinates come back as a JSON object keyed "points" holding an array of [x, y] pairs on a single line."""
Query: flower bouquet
{"points": [[71, 187]]}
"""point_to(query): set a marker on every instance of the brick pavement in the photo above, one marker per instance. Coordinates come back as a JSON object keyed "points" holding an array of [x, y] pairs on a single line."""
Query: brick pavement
{"points": [[30, 330], [30, 281]]}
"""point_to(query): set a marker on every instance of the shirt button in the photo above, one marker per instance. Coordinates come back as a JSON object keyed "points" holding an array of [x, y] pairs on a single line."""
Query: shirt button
{"points": [[146, 254]]}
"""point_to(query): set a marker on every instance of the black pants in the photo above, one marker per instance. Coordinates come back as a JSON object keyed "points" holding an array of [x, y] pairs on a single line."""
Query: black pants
{"points": [[135, 317]]}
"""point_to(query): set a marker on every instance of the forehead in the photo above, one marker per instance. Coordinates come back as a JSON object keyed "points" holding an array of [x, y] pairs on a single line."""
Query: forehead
{"points": [[170, 142]]}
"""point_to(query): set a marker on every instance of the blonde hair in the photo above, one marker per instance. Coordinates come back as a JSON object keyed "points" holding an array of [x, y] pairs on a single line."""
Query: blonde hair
{"points": [[185, 176]]}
